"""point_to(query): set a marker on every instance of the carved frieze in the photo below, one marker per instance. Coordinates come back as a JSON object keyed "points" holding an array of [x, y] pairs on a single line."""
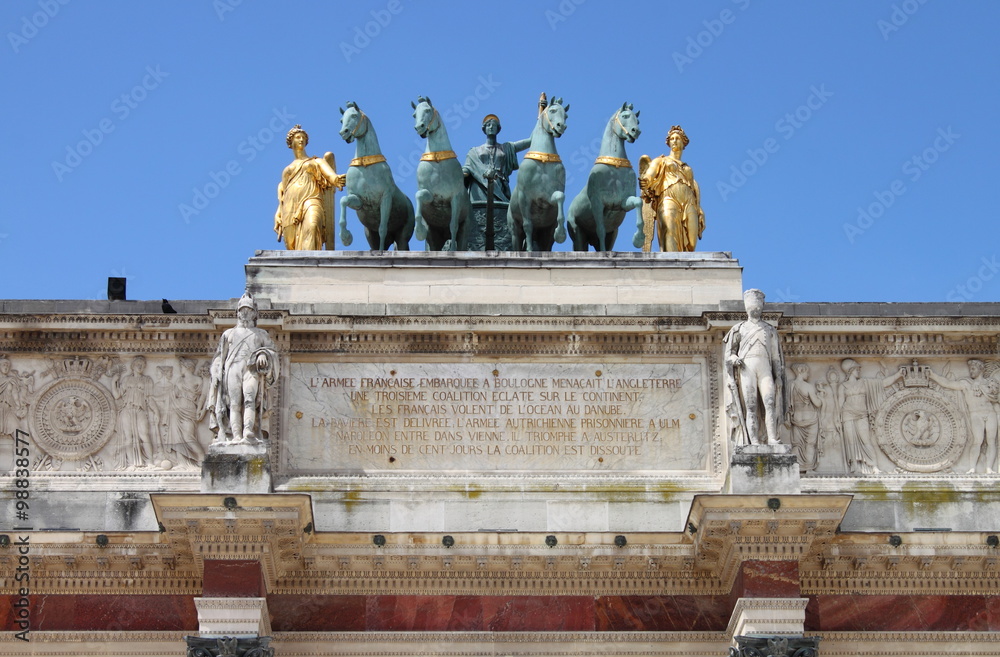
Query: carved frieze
{"points": [[903, 419], [102, 413]]}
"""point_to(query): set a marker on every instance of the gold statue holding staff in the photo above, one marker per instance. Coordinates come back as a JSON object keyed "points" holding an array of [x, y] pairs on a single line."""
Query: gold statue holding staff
{"points": [[306, 197], [671, 198]]}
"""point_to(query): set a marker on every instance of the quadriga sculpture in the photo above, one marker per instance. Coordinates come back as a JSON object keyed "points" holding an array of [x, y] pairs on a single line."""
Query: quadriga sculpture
{"points": [[535, 215], [597, 211], [383, 209], [442, 201]]}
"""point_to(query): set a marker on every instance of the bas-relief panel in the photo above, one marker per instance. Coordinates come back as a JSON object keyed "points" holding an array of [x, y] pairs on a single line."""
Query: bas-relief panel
{"points": [[499, 417], [104, 413], [856, 416], [869, 416]]}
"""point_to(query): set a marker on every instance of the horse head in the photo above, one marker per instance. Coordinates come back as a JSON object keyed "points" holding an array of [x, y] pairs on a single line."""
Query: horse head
{"points": [[353, 122], [427, 119], [627, 123], [553, 117]]}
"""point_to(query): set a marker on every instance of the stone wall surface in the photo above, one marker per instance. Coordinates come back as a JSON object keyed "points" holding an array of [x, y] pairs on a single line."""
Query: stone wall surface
{"points": [[559, 418]]}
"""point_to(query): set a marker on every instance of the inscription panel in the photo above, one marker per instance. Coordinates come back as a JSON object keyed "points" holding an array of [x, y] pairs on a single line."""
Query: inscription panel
{"points": [[433, 417]]}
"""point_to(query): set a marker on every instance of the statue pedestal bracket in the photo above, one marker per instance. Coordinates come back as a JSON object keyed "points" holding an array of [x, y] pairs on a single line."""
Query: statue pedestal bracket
{"points": [[764, 470], [236, 469]]}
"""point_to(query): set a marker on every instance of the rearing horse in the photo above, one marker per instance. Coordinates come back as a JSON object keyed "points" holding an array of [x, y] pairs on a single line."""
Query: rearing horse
{"points": [[443, 204], [599, 209], [535, 214], [383, 209]]}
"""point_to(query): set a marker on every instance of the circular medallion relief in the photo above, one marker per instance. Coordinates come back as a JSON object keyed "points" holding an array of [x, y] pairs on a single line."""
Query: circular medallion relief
{"points": [[921, 431], [73, 418]]}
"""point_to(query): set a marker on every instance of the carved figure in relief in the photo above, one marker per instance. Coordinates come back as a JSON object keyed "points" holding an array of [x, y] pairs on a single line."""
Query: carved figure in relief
{"points": [[162, 391], [980, 395], [830, 427], [245, 365], [669, 189], [304, 217], [137, 417], [859, 401], [805, 408], [756, 388], [187, 403], [14, 390]]}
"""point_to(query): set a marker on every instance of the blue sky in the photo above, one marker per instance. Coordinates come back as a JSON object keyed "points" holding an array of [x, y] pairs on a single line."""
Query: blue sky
{"points": [[846, 151]]}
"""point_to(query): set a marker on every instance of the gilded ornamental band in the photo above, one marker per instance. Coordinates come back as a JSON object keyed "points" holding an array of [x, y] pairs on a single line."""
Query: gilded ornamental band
{"points": [[367, 160], [620, 162], [438, 156], [542, 157]]}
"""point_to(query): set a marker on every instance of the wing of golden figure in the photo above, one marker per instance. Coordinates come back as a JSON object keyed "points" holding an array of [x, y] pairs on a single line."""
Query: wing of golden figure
{"points": [[329, 208], [648, 211]]}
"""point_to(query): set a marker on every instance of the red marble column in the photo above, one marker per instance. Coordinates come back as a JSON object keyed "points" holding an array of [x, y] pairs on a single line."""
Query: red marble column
{"points": [[767, 579], [227, 578]]}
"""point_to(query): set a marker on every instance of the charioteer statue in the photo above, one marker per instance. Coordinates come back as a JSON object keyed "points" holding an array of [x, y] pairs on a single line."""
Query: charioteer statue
{"points": [[487, 175]]}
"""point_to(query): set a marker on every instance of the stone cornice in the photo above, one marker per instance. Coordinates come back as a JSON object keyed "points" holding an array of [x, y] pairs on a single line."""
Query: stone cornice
{"points": [[275, 529]]}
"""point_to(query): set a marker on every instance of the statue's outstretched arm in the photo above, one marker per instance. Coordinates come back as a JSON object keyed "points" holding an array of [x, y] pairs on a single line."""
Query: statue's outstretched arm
{"points": [[328, 166], [522, 144], [943, 382]]}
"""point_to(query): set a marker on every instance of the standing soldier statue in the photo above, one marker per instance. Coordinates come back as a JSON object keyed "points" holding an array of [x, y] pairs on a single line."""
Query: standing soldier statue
{"points": [[756, 389], [244, 367]]}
